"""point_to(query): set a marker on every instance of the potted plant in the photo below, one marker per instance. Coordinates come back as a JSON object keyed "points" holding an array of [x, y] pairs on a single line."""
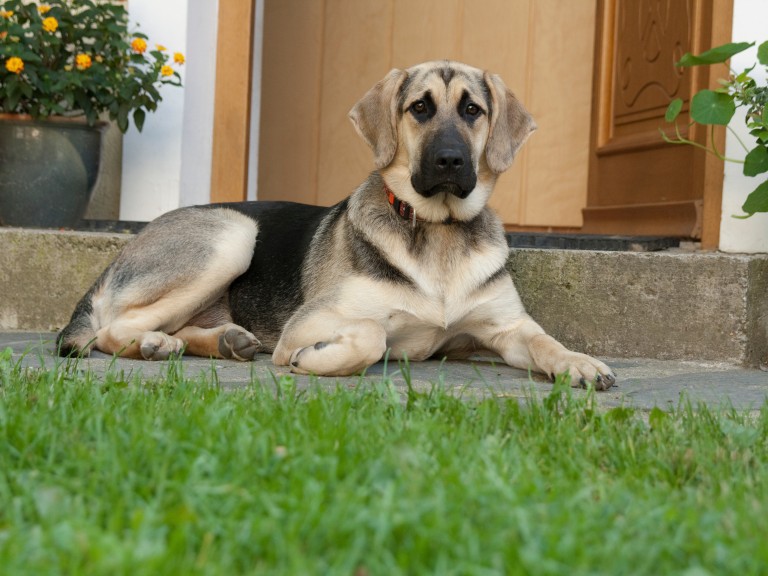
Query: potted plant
{"points": [[717, 107], [65, 65]]}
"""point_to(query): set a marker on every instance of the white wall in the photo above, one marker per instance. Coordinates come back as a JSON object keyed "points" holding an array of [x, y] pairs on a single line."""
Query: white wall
{"points": [[169, 164], [152, 158], [751, 235], [253, 150], [200, 82]]}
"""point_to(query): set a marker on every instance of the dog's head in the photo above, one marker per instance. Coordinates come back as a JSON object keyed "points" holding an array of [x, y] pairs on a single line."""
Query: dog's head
{"points": [[441, 133]]}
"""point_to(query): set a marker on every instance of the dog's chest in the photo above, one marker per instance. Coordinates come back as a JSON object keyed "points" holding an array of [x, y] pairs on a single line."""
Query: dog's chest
{"points": [[446, 283]]}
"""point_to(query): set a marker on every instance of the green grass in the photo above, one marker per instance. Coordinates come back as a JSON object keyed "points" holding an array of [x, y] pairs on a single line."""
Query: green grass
{"points": [[176, 476]]}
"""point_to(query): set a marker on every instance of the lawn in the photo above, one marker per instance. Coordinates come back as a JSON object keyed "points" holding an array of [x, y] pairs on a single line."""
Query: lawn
{"points": [[113, 475]]}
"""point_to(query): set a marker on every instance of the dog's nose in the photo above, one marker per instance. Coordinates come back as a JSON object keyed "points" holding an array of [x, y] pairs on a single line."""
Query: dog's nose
{"points": [[449, 160]]}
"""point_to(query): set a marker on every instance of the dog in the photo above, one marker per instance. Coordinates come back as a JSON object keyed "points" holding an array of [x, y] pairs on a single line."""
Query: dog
{"points": [[412, 264]]}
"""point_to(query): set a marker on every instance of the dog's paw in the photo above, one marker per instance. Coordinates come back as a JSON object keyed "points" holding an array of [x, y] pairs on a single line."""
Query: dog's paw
{"points": [[330, 358], [583, 370], [300, 365], [159, 346], [239, 344]]}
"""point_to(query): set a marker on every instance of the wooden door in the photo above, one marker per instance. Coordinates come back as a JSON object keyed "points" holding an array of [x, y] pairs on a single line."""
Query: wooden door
{"points": [[638, 184], [320, 56]]}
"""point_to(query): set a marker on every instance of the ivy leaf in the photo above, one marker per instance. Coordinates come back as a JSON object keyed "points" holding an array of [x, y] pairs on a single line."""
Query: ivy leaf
{"points": [[708, 107], [715, 55], [756, 162], [757, 201], [762, 53], [673, 110]]}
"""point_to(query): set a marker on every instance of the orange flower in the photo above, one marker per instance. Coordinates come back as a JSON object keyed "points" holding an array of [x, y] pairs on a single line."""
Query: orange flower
{"points": [[160, 47], [6, 13], [82, 61], [44, 9], [166, 70], [14, 65], [139, 45], [178, 57], [50, 24]]}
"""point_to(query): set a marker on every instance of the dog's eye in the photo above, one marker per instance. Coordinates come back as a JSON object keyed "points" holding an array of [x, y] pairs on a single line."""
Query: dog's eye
{"points": [[419, 107], [472, 109]]}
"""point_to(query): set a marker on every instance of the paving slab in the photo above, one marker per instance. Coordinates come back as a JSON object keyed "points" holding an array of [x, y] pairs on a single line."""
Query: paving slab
{"points": [[642, 383]]}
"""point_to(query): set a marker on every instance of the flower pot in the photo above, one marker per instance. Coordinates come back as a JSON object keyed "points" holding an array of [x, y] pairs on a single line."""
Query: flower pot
{"points": [[48, 169]]}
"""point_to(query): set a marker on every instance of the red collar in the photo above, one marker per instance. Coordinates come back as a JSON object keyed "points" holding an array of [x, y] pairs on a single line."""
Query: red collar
{"points": [[405, 210]]}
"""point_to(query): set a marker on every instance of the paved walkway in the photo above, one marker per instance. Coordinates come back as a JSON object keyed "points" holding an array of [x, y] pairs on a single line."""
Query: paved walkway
{"points": [[642, 383]]}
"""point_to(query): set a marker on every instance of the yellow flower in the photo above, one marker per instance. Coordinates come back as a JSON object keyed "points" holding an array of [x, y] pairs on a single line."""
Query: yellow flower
{"points": [[139, 45], [160, 47], [178, 57], [6, 13], [14, 65], [166, 70], [82, 61], [43, 9], [50, 24]]}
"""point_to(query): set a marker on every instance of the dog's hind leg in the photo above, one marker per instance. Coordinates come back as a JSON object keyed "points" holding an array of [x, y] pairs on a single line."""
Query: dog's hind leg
{"points": [[169, 277], [225, 341]]}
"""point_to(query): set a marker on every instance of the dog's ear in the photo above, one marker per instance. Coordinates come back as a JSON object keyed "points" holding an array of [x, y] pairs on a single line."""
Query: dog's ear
{"points": [[375, 117], [511, 124]]}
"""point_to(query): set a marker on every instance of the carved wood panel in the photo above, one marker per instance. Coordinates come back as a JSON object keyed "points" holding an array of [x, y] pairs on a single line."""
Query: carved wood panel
{"points": [[653, 36], [638, 184]]}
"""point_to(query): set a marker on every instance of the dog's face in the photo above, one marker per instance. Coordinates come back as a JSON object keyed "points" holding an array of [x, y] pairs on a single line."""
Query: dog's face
{"points": [[441, 133]]}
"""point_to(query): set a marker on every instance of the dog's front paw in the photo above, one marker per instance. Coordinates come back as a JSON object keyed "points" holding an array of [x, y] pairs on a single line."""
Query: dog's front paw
{"points": [[584, 369], [239, 344], [159, 346]]}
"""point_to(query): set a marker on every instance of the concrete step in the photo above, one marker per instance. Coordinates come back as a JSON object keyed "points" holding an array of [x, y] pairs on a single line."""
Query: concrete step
{"points": [[660, 305]]}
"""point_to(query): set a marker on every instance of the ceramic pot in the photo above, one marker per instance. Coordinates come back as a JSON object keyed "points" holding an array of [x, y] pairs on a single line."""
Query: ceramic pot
{"points": [[48, 169]]}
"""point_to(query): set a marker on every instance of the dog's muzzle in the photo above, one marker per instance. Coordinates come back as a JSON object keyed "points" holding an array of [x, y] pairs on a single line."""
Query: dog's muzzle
{"points": [[446, 166]]}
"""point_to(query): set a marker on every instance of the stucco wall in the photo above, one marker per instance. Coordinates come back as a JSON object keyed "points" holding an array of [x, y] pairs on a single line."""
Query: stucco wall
{"points": [[749, 18]]}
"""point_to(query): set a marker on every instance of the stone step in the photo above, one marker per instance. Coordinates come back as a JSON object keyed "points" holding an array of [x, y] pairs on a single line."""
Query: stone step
{"points": [[663, 305]]}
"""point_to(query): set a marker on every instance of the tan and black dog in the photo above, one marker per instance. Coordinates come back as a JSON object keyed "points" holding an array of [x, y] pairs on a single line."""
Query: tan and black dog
{"points": [[413, 262]]}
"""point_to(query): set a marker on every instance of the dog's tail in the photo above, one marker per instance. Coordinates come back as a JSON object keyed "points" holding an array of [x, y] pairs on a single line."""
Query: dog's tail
{"points": [[79, 336]]}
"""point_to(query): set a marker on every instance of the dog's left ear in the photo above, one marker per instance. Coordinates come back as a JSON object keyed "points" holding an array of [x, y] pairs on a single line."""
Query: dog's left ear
{"points": [[375, 117], [511, 124]]}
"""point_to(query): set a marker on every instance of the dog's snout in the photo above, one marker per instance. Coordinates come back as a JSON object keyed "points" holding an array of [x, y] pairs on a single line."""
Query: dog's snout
{"points": [[449, 160], [445, 166]]}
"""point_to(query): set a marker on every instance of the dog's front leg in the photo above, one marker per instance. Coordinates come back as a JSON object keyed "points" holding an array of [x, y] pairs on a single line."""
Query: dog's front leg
{"points": [[524, 344], [327, 344]]}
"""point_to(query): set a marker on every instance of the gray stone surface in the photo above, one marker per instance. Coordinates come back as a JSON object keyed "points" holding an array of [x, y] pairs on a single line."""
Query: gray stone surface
{"points": [[642, 383]]}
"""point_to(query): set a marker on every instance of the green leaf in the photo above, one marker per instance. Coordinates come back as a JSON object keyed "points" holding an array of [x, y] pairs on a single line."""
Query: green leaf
{"points": [[122, 117], [715, 55], [757, 201], [762, 53], [138, 118], [756, 162], [708, 107], [673, 110], [761, 135]]}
